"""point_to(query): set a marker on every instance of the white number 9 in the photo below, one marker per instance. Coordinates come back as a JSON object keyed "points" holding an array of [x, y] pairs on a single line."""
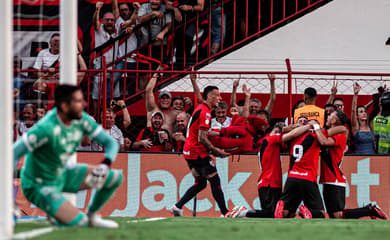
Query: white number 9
{"points": [[297, 152]]}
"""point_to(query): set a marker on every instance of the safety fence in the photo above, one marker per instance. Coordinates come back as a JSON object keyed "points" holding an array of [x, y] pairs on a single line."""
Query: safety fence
{"points": [[289, 88]]}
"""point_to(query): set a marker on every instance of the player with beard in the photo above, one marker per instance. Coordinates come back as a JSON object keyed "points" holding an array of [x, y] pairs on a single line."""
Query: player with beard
{"points": [[332, 177], [180, 132], [47, 172], [196, 153]]}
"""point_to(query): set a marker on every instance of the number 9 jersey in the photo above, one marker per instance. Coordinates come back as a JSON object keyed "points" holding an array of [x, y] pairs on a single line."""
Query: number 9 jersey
{"points": [[304, 157]]}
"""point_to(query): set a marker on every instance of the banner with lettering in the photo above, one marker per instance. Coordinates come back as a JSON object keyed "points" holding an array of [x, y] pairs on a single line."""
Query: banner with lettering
{"points": [[154, 182]]}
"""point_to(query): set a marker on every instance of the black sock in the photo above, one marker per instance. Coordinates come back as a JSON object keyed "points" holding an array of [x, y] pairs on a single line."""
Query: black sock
{"points": [[199, 185], [215, 183], [357, 212], [259, 214], [317, 214]]}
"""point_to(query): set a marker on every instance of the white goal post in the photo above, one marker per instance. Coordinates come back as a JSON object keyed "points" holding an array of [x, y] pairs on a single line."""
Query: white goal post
{"points": [[68, 54], [6, 113]]}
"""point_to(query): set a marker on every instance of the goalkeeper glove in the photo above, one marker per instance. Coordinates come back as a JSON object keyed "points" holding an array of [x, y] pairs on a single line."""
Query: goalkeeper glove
{"points": [[98, 176]]}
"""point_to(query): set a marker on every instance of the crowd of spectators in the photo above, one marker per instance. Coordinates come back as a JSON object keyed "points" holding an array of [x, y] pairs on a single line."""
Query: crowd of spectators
{"points": [[153, 24]]}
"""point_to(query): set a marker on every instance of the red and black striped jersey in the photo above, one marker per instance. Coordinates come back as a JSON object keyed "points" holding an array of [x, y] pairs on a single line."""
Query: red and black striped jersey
{"points": [[304, 157], [200, 119], [269, 161], [331, 158]]}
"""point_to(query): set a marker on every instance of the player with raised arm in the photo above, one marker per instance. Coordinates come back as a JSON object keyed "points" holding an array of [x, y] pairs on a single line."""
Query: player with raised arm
{"points": [[47, 172], [196, 153], [332, 178], [301, 183]]}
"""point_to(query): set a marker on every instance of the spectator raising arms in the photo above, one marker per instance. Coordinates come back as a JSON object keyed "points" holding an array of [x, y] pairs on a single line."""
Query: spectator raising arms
{"points": [[362, 134]]}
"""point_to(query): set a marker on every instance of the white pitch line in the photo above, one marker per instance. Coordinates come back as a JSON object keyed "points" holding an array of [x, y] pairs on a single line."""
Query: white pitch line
{"points": [[34, 233], [147, 220]]}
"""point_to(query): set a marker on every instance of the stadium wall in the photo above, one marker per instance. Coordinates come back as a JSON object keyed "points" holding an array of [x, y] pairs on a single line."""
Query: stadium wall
{"points": [[153, 182]]}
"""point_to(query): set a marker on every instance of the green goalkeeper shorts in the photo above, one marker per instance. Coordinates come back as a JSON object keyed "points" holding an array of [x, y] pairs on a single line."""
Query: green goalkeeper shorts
{"points": [[47, 195]]}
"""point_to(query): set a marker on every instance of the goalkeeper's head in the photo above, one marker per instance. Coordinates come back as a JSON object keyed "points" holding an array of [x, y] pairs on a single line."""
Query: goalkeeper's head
{"points": [[69, 100]]}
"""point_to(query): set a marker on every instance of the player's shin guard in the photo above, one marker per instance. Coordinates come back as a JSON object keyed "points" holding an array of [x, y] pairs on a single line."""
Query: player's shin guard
{"points": [[199, 185], [216, 189], [113, 181]]}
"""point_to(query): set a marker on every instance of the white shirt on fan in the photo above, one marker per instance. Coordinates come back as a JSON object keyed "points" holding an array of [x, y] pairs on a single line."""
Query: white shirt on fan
{"points": [[101, 37], [217, 125], [45, 59], [131, 41]]}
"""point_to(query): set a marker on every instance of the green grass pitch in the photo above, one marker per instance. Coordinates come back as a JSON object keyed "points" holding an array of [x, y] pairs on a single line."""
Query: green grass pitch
{"points": [[221, 228]]}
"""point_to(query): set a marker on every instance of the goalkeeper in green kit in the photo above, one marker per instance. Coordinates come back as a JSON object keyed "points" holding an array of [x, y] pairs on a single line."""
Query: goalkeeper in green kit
{"points": [[47, 173]]}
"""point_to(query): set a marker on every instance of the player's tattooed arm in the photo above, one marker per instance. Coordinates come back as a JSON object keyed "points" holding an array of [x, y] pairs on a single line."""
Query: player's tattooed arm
{"points": [[206, 142]]}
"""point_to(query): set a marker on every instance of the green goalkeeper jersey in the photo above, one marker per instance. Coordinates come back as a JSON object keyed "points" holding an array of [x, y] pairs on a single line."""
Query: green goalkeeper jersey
{"points": [[381, 127], [50, 144]]}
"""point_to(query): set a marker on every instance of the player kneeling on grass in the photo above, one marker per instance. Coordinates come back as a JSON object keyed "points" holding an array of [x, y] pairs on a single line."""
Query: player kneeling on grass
{"points": [[334, 142], [47, 173]]}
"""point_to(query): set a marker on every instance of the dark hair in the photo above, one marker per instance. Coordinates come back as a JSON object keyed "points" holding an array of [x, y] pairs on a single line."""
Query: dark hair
{"points": [[178, 98], [337, 99], [18, 61], [296, 106], [64, 93], [263, 111], [341, 116], [330, 105], [310, 92], [385, 99], [42, 105], [54, 35], [120, 4], [279, 125], [207, 90], [241, 102], [361, 106]]}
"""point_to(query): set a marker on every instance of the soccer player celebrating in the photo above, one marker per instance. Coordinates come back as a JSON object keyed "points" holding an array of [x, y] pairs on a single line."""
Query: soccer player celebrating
{"points": [[332, 178], [196, 153], [47, 173], [270, 181], [301, 181]]}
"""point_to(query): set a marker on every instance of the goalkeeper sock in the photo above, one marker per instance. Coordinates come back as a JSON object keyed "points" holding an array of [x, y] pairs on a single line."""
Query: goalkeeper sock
{"points": [[216, 189], [199, 185], [113, 181]]}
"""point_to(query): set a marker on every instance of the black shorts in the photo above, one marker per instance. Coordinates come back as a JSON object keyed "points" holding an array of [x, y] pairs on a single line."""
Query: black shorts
{"points": [[334, 198], [203, 166], [297, 190], [269, 197]]}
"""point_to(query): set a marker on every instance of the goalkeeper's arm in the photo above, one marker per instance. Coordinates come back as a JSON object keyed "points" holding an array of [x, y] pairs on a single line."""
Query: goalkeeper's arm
{"points": [[111, 146], [20, 149]]}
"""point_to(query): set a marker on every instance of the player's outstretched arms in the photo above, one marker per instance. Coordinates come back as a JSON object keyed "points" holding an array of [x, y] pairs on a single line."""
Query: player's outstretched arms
{"points": [[295, 133], [337, 130]]}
